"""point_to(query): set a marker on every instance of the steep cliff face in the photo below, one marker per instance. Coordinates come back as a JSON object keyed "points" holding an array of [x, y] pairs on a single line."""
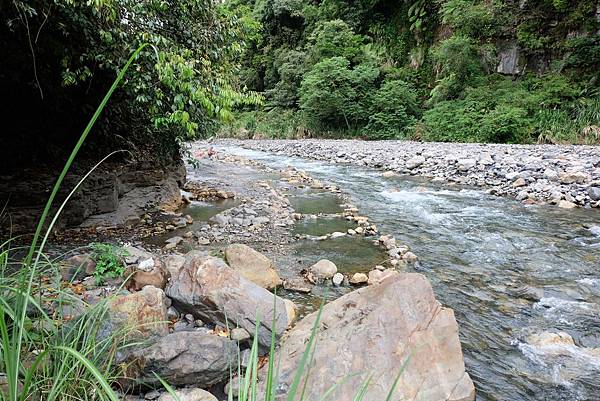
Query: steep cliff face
{"points": [[115, 195]]}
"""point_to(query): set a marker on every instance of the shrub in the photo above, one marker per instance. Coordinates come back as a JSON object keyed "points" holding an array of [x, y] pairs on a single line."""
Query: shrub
{"points": [[335, 39], [475, 19], [393, 125], [108, 261], [332, 95]]}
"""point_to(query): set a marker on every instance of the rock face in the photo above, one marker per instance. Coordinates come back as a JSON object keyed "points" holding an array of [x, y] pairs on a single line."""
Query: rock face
{"points": [[114, 194], [185, 358], [252, 265], [375, 330], [210, 290], [143, 312]]}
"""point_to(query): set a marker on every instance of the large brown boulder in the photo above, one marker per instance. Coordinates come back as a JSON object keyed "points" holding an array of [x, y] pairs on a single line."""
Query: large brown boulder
{"points": [[184, 358], [212, 291], [374, 331], [142, 314], [253, 265]]}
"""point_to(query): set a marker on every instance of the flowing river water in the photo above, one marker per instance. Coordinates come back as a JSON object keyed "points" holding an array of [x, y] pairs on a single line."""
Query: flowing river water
{"points": [[509, 271]]}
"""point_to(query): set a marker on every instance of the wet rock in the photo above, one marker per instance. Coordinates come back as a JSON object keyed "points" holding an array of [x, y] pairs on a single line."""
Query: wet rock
{"points": [[189, 394], [210, 290], [390, 321], [252, 265], [410, 257], [338, 279], [337, 234], [143, 313], [388, 174], [358, 278], [185, 358], [323, 269]]}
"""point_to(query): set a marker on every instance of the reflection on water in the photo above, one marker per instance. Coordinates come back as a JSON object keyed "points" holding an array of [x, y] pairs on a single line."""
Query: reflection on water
{"points": [[507, 270]]}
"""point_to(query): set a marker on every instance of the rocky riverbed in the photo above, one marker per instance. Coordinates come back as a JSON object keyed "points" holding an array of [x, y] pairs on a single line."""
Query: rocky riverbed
{"points": [[566, 176], [197, 279]]}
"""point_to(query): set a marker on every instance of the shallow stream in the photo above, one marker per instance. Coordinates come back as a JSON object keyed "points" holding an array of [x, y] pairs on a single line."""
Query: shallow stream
{"points": [[509, 271]]}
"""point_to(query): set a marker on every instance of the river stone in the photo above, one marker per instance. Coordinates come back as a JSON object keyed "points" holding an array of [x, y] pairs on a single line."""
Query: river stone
{"points": [[338, 279], [212, 291], [576, 177], [565, 204], [466, 164], [358, 278], [323, 269], [374, 331], [185, 358], [594, 193], [550, 174], [252, 265], [519, 182], [189, 394], [239, 334], [415, 162], [143, 313]]}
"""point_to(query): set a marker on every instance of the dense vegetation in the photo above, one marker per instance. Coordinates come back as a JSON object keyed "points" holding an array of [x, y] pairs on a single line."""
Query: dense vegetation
{"points": [[447, 70], [59, 58]]}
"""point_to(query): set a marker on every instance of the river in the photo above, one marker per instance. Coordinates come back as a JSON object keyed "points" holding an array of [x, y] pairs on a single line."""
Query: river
{"points": [[509, 271]]}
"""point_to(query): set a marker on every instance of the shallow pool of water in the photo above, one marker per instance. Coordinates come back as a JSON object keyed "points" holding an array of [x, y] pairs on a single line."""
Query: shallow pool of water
{"points": [[322, 225]]}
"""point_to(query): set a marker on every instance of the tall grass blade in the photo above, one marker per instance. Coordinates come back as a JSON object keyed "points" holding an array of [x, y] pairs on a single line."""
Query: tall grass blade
{"points": [[92, 369]]}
